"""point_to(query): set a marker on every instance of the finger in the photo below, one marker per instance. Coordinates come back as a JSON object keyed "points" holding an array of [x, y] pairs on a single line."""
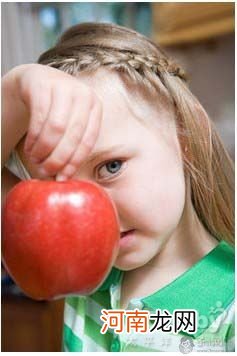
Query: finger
{"points": [[86, 145], [39, 109], [54, 126], [70, 140]]}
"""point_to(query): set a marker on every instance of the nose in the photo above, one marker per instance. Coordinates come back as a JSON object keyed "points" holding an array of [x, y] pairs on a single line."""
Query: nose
{"points": [[120, 208], [112, 196]]}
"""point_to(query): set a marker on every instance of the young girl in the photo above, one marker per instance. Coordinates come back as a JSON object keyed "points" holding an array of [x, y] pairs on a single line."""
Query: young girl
{"points": [[106, 104]]}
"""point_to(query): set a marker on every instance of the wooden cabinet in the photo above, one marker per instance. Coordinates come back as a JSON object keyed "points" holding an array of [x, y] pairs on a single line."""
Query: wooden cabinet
{"points": [[180, 23], [28, 325]]}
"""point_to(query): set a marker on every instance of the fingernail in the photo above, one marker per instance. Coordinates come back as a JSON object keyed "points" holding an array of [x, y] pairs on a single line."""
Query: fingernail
{"points": [[61, 178]]}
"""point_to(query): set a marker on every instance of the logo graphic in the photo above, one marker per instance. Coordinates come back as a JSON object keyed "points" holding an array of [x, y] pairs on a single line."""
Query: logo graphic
{"points": [[186, 345]]}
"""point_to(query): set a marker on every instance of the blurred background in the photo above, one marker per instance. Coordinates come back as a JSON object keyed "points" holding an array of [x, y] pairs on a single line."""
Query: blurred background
{"points": [[200, 36]]}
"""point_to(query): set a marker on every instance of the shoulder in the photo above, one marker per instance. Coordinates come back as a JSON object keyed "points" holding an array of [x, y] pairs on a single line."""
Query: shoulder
{"points": [[220, 263]]}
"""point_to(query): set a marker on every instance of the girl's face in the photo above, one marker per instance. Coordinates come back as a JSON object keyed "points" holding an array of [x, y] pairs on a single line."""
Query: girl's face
{"points": [[140, 168]]}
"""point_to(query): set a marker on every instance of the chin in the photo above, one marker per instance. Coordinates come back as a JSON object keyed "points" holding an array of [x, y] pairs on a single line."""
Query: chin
{"points": [[127, 263]]}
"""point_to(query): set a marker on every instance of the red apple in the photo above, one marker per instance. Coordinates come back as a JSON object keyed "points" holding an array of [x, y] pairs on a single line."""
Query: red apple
{"points": [[59, 238]]}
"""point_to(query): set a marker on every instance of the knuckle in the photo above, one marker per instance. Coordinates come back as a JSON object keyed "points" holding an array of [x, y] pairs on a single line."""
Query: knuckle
{"points": [[32, 134], [59, 157], [35, 96], [57, 127], [56, 162], [44, 144], [69, 170], [52, 166]]}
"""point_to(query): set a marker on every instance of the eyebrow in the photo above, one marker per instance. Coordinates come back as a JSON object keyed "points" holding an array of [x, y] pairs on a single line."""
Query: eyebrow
{"points": [[104, 152]]}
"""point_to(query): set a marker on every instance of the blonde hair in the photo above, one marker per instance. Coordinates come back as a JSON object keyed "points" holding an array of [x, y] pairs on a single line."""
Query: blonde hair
{"points": [[88, 46]]}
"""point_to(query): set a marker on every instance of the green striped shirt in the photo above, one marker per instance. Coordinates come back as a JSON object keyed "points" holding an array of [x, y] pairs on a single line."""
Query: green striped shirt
{"points": [[207, 287]]}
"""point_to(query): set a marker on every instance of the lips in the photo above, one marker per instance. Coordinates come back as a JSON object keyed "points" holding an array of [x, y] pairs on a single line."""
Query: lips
{"points": [[125, 233]]}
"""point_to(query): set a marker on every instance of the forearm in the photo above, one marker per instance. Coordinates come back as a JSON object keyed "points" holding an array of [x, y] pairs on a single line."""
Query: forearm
{"points": [[14, 114]]}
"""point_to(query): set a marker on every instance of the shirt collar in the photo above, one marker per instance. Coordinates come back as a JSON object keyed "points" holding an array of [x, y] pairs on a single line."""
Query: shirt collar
{"points": [[202, 287]]}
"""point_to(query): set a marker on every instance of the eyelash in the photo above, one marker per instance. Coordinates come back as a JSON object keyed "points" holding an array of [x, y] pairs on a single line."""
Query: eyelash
{"points": [[112, 175]]}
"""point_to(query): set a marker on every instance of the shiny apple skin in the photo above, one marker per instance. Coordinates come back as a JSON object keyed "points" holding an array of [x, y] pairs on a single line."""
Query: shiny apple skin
{"points": [[59, 238]]}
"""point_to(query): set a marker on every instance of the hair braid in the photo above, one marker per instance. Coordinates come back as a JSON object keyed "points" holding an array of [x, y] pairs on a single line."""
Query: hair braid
{"points": [[114, 59]]}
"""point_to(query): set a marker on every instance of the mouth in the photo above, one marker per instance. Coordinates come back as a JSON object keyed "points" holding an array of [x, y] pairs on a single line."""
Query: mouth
{"points": [[125, 233]]}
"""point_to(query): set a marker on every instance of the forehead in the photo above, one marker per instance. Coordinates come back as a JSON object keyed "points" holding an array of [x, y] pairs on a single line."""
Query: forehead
{"points": [[126, 107]]}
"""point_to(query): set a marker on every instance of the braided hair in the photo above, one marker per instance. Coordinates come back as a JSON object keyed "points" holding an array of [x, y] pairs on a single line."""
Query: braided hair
{"points": [[113, 59], [89, 46]]}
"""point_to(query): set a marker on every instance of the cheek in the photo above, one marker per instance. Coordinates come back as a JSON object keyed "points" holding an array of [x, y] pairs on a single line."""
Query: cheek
{"points": [[153, 200], [168, 202]]}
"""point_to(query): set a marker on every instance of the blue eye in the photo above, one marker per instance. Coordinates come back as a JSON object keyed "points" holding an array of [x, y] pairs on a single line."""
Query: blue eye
{"points": [[113, 166], [110, 168]]}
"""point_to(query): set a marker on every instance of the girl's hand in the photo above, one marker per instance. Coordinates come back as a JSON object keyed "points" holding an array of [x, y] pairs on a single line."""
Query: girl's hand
{"points": [[65, 117]]}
